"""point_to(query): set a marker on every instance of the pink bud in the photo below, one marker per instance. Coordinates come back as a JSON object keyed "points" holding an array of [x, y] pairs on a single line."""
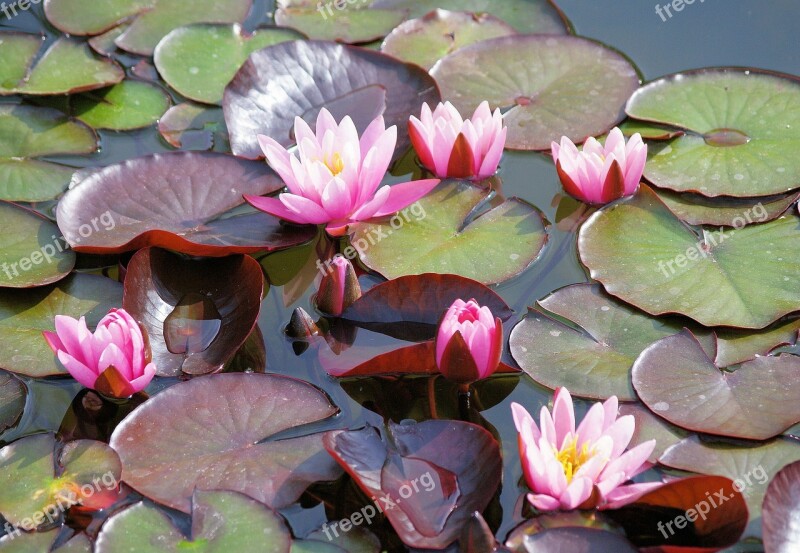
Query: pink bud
{"points": [[469, 342]]}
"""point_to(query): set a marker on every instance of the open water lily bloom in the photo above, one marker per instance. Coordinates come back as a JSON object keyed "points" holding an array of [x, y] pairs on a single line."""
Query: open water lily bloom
{"points": [[599, 174], [585, 467], [335, 177], [114, 360]]}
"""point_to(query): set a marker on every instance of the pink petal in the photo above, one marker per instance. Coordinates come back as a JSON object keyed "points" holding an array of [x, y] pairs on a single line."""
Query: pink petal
{"points": [[374, 131], [275, 207], [140, 383], [80, 372], [492, 159], [563, 416], [404, 194], [309, 209], [630, 461], [623, 495], [621, 433], [578, 491], [544, 502]]}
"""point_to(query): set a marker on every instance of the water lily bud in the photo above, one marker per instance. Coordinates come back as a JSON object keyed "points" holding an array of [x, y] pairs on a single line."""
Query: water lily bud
{"points": [[469, 342], [301, 325], [339, 288]]}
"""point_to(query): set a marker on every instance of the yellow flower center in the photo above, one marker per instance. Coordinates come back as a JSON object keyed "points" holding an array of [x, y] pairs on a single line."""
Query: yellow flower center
{"points": [[335, 165], [571, 458]]}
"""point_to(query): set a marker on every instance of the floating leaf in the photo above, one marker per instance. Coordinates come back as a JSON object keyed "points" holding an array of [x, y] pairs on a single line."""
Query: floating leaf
{"points": [[742, 131], [198, 61], [44, 542], [13, 394], [575, 540], [126, 106], [426, 40], [337, 21], [221, 521], [428, 477], [650, 427], [106, 44], [32, 252], [25, 314], [181, 201], [730, 212], [549, 74], [38, 483], [742, 277], [66, 67], [782, 511], [299, 78], [87, 17], [191, 126], [193, 436], [736, 346], [446, 238], [195, 318], [28, 133]]}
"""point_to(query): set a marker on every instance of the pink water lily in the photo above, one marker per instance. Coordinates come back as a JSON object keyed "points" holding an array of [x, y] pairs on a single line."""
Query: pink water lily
{"points": [[114, 360], [568, 468], [469, 342], [599, 174], [452, 147], [334, 179]]}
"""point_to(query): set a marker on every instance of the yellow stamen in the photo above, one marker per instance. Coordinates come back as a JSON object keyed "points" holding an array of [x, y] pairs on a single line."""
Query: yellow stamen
{"points": [[335, 165], [571, 459]]}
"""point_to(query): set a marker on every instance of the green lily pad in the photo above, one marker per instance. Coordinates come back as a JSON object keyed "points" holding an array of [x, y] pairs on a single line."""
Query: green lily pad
{"points": [[106, 44], [742, 131], [354, 23], [123, 107], [648, 131], [696, 209], [25, 314], [29, 133], [426, 40], [741, 277], [526, 16], [551, 73], [32, 250], [13, 394], [439, 234], [43, 542], [89, 17], [191, 126], [66, 67], [221, 521], [198, 61], [38, 481], [736, 346]]}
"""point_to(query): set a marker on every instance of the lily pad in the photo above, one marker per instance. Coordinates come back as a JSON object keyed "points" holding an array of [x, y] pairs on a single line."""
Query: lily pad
{"points": [[650, 427], [736, 346], [44, 542], [29, 133], [39, 481], [32, 252], [353, 23], [758, 400], [181, 201], [221, 521], [299, 78], [729, 212], [742, 130], [191, 126], [25, 314], [86, 17], [741, 277], [575, 540], [782, 511], [198, 61], [192, 436], [448, 238], [123, 107], [65, 67], [194, 318], [562, 86], [13, 394], [526, 16], [428, 477], [426, 40]]}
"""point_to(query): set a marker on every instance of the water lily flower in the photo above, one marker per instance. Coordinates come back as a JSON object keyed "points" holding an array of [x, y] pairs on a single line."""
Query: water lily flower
{"points": [[452, 147], [114, 360], [334, 178], [568, 468], [339, 288], [469, 342], [599, 174]]}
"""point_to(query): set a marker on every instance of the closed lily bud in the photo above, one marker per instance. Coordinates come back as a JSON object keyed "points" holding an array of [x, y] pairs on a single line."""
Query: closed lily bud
{"points": [[469, 342], [339, 288]]}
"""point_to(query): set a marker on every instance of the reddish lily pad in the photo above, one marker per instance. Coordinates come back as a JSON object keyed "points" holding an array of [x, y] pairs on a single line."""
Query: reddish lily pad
{"points": [[190, 126], [676, 379], [35, 476], [194, 318], [193, 436], [123, 107], [729, 212], [549, 73], [298, 78], [13, 394], [64, 67], [181, 201], [25, 314], [221, 521], [28, 133], [781, 512], [429, 477], [344, 22]]}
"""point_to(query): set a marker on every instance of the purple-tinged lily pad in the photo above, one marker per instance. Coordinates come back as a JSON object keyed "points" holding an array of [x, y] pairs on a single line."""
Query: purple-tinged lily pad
{"points": [[550, 73], [196, 312], [179, 200], [745, 277], [742, 130], [299, 78], [678, 381], [650, 427], [343, 22], [442, 233], [190, 126], [25, 314], [221, 521], [218, 433], [428, 477], [729, 212], [781, 513], [736, 346]]}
